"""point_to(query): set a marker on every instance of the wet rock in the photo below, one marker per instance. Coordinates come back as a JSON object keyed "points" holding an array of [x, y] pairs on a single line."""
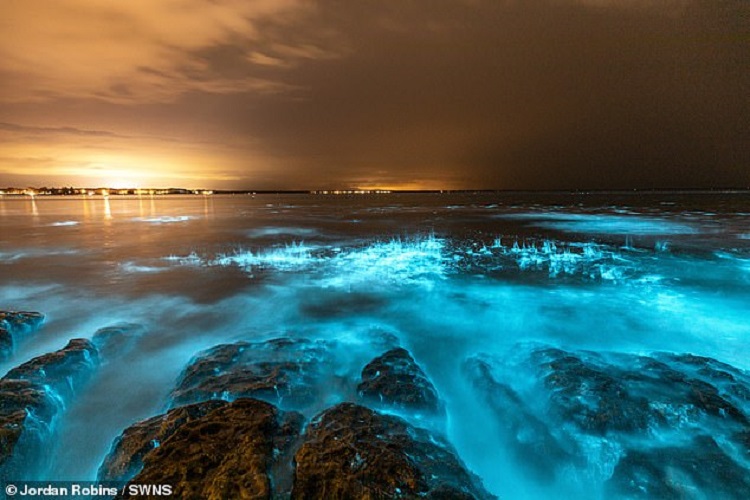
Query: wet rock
{"points": [[117, 339], [698, 470], [283, 371], [21, 321], [706, 397], [350, 451], [394, 379], [742, 438], [26, 414], [527, 438], [31, 398], [588, 396], [709, 366], [6, 343], [613, 412], [713, 387], [238, 450], [611, 392], [61, 371], [125, 459], [16, 323]]}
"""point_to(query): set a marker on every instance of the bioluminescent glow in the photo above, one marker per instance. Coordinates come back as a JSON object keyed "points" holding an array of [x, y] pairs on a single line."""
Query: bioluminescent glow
{"points": [[296, 232], [131, 267], [604, 224], [35, 253], [485, 305], [420, 260], [164, 219], [290, 257], [394, 261], [425, 259]]}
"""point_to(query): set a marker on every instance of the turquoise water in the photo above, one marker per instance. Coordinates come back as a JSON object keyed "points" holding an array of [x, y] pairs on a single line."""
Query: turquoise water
{"points": [[449, 275]]}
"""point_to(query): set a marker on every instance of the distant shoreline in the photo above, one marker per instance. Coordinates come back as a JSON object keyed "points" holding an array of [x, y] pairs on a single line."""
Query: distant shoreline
{"points": [[105, 192]]}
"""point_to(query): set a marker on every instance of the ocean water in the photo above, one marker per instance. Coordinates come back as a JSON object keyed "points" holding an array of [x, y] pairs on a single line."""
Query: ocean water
{"points": [[450, 276]]}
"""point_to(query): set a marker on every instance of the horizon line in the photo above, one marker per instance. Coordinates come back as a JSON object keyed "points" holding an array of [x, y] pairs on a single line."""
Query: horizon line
{"points": [[124, 191]]}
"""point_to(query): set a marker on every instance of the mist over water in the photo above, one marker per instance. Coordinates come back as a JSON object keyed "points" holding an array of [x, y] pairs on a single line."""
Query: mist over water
{"points": [[449, 277]]}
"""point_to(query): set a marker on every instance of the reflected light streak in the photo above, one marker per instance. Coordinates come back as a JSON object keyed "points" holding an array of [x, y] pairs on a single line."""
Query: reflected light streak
{"points": [[140, 205], [208, 206], [34, 210], [107, 208], [86, 209]]}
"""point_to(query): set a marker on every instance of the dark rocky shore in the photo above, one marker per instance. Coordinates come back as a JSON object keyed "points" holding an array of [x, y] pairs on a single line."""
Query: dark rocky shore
{"points": [[15, 324], [32, 396], [244, 424], [256, 420], [656, 426]]}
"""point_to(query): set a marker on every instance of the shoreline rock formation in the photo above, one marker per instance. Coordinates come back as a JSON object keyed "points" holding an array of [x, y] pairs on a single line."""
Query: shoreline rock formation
{"points": [[32, 397], [580, 410], [394, 380], [125, 458], [263, 419], [283, 371], [13, 324], [345, 451], [237, 450], [350, 451]]}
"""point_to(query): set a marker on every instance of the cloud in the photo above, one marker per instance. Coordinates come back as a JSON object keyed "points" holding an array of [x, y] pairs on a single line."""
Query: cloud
{"points": [[551, 94], [519, 94], [67, 155], [144, 51], [14, 127]]}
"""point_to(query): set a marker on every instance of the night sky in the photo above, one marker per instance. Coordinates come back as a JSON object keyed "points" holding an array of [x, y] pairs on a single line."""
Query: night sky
{"points": [[421, 94]]}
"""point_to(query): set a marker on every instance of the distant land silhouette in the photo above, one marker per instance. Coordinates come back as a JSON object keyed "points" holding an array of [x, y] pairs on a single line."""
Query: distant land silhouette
{"points": [[105, 191]]}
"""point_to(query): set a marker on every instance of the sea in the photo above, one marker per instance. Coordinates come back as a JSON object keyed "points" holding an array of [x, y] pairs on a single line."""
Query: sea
{"points": [[449, 276]]}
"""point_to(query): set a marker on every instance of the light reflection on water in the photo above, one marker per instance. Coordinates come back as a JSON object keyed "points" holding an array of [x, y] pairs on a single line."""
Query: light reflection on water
{"points": [[450, 275]]}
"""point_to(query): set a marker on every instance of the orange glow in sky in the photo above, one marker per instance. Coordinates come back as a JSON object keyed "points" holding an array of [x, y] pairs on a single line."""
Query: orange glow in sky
{"points": [[312, 94]]}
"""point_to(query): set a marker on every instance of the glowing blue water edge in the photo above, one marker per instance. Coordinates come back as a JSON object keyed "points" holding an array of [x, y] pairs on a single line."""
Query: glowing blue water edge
{"points": [[593, 353]]}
